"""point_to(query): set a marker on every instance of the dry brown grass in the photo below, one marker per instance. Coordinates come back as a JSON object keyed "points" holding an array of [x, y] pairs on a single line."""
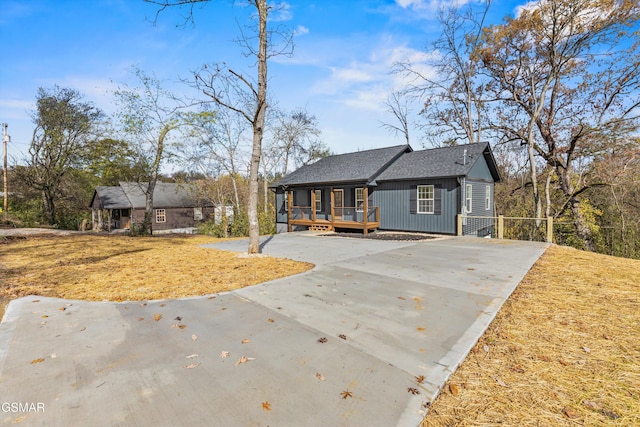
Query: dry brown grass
{"points": [[119, 268], [563, 351]]}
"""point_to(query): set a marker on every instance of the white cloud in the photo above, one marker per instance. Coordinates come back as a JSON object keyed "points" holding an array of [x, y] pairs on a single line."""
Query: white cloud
{"points": [[280, 12], [301, 30], [430, 4]]}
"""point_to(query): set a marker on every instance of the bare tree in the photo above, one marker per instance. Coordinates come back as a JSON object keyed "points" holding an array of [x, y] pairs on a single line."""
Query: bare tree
{"points": [[296, 138], [566, 79], [447, 82], [151, 115], [397, 105], [239, 92]]}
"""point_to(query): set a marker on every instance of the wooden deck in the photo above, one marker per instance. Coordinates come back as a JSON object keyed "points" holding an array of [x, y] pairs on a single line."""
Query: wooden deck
{"points": [[320, 224]]}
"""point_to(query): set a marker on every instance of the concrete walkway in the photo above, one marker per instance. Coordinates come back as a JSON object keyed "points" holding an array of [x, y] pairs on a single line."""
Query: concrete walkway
{"points": [[366, 338]]}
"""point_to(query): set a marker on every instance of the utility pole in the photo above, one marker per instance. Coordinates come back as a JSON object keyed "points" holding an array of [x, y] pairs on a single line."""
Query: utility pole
{"points": [[5, 139]]}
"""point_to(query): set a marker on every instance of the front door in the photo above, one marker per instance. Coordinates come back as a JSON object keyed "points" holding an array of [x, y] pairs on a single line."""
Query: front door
{"points": [[338, 203]]}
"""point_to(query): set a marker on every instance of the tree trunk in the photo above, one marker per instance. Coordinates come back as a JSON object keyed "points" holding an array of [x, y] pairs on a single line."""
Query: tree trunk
{"points": [[147, 226], [258, 128], [583, 231], [48, 202]]}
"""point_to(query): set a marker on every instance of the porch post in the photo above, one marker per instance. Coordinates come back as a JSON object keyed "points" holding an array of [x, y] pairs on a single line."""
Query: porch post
{"points": [[313, 205], [289, 209], [365, 207], [333, 210]]}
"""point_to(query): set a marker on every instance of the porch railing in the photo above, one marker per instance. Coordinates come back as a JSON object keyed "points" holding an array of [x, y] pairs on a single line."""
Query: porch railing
{"points": [[344, 214]]}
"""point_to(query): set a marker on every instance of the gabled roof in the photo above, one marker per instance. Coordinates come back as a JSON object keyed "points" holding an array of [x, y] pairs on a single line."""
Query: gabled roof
{"points": [[361, 166], [132, 195], [443, 162]]}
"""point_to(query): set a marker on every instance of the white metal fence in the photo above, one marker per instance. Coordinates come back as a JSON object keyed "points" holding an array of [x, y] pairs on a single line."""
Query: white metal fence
{"points": [[503, 227]]}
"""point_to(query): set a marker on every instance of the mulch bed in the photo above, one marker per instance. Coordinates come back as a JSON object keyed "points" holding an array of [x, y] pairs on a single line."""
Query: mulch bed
{"points": [[384, 236]]}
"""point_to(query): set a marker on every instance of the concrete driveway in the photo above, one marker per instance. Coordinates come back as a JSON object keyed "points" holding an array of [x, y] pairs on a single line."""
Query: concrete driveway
{"points": [[366, 338]]}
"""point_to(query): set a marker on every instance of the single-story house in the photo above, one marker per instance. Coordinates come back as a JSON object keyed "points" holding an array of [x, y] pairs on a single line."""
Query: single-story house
{"points": [[177, 207], [393, 188]]}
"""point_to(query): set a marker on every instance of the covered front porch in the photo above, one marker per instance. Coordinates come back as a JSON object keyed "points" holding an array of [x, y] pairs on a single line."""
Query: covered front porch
{"points": [[338, 216]]}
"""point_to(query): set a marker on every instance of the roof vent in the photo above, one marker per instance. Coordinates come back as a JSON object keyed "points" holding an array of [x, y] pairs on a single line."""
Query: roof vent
{"points": [[464, 157]]}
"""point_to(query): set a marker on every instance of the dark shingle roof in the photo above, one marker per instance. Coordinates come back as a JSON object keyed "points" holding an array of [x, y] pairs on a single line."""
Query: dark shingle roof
{"points": [[131, 195], [351, 167], [112, 198], [165, 195], [438, 162]]}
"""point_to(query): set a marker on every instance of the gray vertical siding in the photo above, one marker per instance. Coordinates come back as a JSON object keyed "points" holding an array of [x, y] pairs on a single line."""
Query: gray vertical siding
{"points": [[393, 197], [478, 198]]}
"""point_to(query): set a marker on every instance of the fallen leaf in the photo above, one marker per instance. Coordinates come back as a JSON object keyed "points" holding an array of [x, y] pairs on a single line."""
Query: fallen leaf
{"points": [[162, 305], [266, 406], [270, 320], [470, 268], [36, 300], [563, 362], [606, 337], [143, 304], [586, 349], [570, 412], [591, 405], [402, 298], [192, 356], [84, 328], [453, 389], [182, 326], [417, 299], [343, 336], [192, 365], [140, 318], [413, 391], [245, 341], [244, 359], [194, 337], [211, 298], [322, 340], [53, 355], [320, 376], [500, 382], [157, 317], [178, 318], [44, 316], [34, 361], [224, 354], [420, 329], [420, 379], [346, 394], [62, 308]]}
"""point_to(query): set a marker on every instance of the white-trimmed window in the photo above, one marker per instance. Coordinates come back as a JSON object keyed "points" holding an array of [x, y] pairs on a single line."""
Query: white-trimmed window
{"points": [[161, 215], [197, 214], [487, 197], [425, 199], [469, 198], [318, 200], [359, 199]]}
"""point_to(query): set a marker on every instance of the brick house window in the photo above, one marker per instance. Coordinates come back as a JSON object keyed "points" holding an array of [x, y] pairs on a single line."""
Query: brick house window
{"points": [[161, 215]]}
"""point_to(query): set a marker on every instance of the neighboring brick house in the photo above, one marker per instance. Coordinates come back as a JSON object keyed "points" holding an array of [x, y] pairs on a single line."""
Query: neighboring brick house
{"points": [[176, 207]]}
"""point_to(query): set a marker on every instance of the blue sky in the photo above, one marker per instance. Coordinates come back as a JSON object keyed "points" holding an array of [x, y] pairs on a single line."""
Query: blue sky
{"points": [[340, 70]]}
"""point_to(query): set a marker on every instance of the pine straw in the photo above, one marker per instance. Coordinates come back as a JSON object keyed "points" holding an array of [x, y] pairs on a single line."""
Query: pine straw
{"points": [[563, 351], [120, 268]]}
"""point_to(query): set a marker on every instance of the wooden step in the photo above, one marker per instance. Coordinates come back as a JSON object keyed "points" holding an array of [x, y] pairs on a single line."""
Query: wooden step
{"points": [[321, 227]]}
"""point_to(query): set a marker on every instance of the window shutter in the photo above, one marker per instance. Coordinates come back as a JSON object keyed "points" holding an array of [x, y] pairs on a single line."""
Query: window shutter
{"points": [[437, 200], [413, 199]]}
